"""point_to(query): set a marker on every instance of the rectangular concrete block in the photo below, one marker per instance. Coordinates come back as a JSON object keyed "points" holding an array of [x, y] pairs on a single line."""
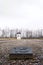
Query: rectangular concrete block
{"points": [[21, 53]]}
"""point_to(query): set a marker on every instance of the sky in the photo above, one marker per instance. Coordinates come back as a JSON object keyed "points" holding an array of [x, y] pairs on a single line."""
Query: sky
{"points": [[21, 14]]}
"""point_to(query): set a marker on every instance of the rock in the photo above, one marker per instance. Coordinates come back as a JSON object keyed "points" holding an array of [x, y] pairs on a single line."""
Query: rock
{"points": [[0, 63], [35, 64], [35, 61], [41, 57]]}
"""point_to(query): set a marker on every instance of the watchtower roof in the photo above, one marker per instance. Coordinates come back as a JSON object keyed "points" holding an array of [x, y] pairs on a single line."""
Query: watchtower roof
{"points": [[18, 32]]}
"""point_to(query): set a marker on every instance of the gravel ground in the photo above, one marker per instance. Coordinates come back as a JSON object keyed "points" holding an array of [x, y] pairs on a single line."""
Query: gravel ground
{"points": [[35, 44]]}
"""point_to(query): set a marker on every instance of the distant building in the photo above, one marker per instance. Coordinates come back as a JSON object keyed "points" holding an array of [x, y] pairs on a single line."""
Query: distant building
{"points": [[18, 34]]}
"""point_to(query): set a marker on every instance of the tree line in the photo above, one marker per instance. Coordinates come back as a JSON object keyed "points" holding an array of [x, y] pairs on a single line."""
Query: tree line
{"points": [[24, 33]]}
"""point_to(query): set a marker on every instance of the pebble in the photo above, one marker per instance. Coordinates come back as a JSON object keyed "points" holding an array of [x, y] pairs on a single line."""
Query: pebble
{"points": [[0, 62], [35, 61]]}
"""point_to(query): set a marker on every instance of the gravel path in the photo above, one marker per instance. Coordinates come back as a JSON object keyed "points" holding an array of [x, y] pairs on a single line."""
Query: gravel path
{"points": [[36, 44]]}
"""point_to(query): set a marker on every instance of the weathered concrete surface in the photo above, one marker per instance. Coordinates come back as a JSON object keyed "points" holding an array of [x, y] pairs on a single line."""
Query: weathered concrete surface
{"points": [[21, 53]]}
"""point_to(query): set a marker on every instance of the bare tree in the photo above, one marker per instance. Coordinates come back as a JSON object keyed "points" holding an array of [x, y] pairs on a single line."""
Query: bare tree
{"points": [[0, 32], [11, 33], [28, 34], [3, 33], [6, 32]]}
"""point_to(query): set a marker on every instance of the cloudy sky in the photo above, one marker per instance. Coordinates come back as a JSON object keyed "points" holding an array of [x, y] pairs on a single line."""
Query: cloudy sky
{"points": [[25, 14]]}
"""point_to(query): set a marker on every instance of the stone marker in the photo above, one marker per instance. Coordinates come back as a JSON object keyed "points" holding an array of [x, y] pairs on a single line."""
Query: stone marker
{"points": [[21, 53]]}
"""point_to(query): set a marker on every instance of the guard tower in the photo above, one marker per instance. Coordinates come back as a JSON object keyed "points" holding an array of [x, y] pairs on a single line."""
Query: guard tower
{"points": [[18, 35]]}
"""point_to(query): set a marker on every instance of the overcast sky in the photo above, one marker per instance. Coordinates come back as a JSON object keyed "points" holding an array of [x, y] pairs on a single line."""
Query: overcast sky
{"points": [[25, 14]]}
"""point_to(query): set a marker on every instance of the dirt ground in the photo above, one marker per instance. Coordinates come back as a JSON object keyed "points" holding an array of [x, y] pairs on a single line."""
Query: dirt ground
{"points": [[6, 45]]}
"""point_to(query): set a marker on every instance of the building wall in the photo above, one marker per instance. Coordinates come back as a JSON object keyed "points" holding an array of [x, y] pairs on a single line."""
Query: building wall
{"points": [[18, 36]]}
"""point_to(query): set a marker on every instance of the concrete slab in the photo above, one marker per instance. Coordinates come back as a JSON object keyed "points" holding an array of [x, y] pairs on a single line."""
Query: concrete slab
{"points": [[21, 53]]}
